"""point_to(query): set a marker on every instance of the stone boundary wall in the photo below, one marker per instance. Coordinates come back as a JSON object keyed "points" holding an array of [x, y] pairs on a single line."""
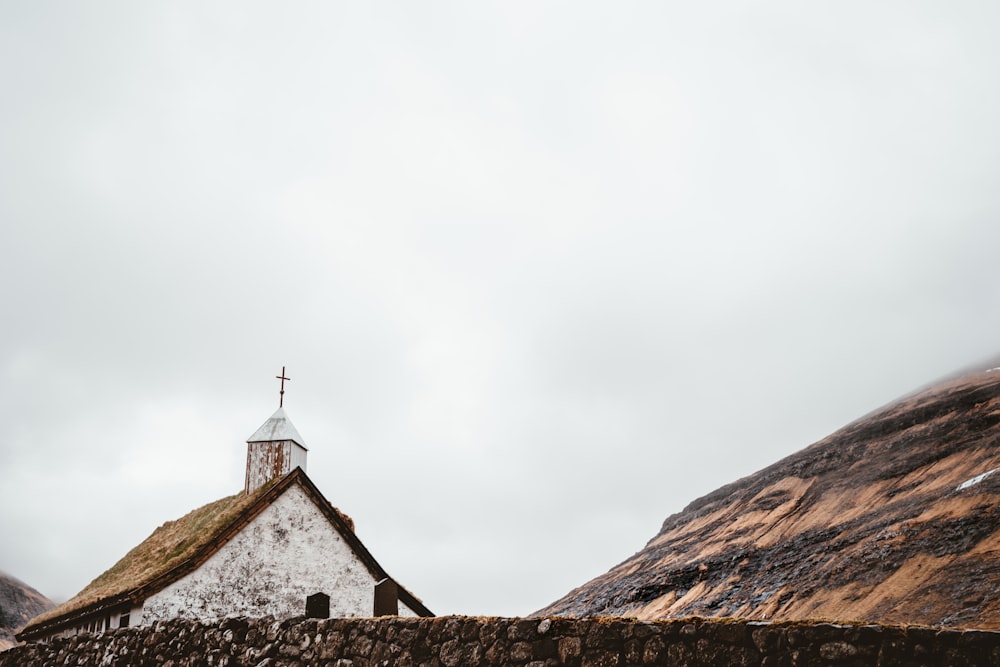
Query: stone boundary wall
{"points": [[458, 641]]}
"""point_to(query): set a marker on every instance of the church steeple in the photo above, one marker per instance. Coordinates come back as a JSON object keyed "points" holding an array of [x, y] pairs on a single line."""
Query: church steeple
{"points": [[277, 427], [275, 448]]}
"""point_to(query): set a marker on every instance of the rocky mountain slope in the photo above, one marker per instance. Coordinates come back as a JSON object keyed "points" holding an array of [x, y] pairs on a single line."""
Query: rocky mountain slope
{"points": [[18, 603], [893, 519]]}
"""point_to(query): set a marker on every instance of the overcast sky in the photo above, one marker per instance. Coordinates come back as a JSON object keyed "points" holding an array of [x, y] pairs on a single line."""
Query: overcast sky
{"points": [[541, 273]]}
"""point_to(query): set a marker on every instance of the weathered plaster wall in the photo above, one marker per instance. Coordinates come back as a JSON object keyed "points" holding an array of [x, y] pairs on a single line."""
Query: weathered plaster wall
{"points": [[406, 612], [488, 642], [284, 555]]}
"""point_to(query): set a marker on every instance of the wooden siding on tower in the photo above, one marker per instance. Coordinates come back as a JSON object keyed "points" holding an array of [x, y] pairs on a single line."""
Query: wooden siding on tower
{"points": [[265, 461]]}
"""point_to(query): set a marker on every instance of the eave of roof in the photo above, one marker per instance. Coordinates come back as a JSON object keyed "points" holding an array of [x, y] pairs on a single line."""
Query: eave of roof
{"points": [[179, 547]]}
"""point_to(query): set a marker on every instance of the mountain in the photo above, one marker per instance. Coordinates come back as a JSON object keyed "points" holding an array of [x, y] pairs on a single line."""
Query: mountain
{"points": [[18, 604], [893, 519]]}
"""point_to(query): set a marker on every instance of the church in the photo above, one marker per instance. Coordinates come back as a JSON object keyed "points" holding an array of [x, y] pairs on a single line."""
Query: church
{"points": [[276, 548]]}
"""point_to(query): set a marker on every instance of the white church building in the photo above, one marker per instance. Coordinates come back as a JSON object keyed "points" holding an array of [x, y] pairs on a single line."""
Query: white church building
{"points": [[277, 548]]}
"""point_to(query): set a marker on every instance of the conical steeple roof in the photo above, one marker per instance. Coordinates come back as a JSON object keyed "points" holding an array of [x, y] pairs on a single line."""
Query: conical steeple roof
{"points": [[277, 427]]}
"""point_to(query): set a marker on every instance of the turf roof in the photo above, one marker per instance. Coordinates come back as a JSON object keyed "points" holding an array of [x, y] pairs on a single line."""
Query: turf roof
{"points": [[169, 546]]}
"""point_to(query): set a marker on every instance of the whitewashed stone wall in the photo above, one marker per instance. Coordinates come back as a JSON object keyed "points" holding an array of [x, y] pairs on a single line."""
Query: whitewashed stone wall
{"points": [[284, 555]]}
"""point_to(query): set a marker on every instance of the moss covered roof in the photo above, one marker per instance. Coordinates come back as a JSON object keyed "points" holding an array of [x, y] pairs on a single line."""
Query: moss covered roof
{"points": [[179, 547], [170, 546]]}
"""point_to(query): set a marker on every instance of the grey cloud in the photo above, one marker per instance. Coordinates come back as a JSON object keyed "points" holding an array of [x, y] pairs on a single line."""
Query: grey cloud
{"points": [[552, 271]]}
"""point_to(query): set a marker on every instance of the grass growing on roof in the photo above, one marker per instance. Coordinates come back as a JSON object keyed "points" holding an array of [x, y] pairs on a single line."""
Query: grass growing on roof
{"points": [[169, 546]]}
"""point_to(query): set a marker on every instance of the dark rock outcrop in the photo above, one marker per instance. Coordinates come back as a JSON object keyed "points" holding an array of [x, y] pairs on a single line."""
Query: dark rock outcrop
{"points": [[893, 519], [18, 603]]}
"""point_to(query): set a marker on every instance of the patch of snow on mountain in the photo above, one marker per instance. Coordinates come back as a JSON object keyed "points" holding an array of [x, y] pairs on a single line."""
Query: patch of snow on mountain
{"points": [[975, 480]]}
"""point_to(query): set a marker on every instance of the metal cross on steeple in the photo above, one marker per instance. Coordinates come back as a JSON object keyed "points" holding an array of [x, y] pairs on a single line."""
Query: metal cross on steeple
{"points": [[281, 397]]}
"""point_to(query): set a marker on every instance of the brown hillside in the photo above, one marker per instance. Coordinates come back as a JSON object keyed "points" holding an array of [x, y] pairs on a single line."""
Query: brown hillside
{"points": [[18, 603], [888, 520]]}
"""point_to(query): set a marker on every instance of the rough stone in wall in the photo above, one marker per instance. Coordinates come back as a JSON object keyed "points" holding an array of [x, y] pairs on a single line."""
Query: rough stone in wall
{"points": [[536, 642]]}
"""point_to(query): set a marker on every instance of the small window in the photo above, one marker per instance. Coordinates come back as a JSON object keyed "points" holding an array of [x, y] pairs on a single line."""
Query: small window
{"points": [[123, 620]]}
